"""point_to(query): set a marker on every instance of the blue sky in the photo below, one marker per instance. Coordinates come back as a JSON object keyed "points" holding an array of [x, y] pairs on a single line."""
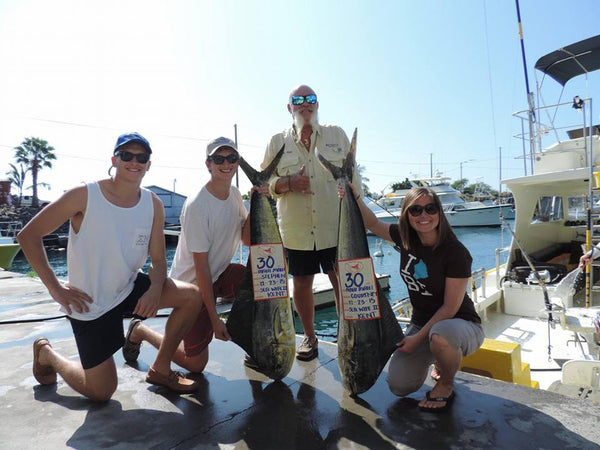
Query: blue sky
{"points": [[423, 81]]}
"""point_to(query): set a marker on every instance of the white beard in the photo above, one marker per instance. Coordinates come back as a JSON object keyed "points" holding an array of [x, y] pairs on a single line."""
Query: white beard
{"points": [[299, 120]]}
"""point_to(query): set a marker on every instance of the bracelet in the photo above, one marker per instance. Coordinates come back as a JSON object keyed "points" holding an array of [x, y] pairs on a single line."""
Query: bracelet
{"points": [[289, 180]]}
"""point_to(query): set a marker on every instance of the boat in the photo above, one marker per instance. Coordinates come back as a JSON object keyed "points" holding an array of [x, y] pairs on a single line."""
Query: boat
{"points": [[557, 219], [8, 250], [460, 213], [8, 245]]}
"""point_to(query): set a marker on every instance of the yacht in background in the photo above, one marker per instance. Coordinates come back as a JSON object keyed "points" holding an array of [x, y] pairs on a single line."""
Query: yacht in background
{"points": [[459, 212]]}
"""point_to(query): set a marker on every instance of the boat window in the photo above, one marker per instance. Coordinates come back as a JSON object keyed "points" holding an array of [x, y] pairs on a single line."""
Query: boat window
{"points": [[577, 208], [548, 209]]}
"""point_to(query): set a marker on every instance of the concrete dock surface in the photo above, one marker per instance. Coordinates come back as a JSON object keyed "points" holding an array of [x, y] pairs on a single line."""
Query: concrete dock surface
{"points": [[239, 408]]}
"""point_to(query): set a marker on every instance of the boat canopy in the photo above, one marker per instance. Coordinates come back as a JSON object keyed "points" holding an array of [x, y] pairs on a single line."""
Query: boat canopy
{"points": [[572, 60]]}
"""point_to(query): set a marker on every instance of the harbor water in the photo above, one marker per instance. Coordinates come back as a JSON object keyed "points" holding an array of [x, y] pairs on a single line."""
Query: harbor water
{"points": [[481, 242]]}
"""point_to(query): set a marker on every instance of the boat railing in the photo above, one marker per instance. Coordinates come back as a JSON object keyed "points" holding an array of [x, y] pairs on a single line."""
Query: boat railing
{"points": [[499, 264], [539, 130], [477, 282], [402, 310], [10, 228]]}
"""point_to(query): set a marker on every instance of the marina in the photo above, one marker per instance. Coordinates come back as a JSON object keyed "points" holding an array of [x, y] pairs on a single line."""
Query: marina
{"points": [[535, 380], [458, 211]]}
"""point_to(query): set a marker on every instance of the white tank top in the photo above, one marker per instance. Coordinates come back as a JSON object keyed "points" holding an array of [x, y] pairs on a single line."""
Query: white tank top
{"points": [[105, 256]]}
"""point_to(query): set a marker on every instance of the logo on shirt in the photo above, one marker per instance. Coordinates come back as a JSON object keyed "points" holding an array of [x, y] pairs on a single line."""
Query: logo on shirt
{"points": [[142, 239], [334, 147], [414, 271]]}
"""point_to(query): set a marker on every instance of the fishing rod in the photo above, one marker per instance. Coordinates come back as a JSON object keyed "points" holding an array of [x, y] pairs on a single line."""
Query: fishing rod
{"points": [[530, 99], [541, 282]]}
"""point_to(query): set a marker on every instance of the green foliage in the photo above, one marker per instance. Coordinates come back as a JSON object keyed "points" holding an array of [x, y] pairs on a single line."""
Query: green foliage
{"points": [[35, 154], [364, 180], [17, 177], [401, 185], [459, 185]]}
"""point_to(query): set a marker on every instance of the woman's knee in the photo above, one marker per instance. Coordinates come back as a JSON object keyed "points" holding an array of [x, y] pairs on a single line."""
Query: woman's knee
{"points": [[437, 343], [403, 388]]}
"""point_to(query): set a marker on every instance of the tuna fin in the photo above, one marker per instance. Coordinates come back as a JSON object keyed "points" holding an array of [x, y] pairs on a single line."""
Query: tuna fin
{"points": [[347, 168], [257, 178]]}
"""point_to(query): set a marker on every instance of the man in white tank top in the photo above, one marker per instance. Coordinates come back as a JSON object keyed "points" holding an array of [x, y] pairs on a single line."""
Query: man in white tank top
{"points": [[115, 224], [213, 224]]}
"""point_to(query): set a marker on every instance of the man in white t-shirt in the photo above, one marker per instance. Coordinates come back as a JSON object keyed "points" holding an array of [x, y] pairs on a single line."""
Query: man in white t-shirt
{"points": [[213, 224]]}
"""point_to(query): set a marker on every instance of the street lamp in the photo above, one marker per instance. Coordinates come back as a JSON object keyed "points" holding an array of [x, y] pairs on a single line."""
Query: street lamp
{"points": [[461, 163]]}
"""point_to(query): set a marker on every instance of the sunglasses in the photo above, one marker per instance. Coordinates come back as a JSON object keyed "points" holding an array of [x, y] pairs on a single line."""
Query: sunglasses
{"points": [[300, 99], [142, 158], [417, 210], [220, 159]]}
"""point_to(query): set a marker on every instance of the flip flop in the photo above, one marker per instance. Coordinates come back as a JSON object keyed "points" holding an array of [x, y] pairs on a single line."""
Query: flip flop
{"points": [[448, 401], [44, 374]]}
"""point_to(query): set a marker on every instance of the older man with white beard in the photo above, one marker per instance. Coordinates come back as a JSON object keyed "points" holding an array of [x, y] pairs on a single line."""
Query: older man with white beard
{"points": [[307, 203]]}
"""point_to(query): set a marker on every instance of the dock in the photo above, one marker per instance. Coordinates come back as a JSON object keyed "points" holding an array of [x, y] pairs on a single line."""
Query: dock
{"points": [[239, 408]]}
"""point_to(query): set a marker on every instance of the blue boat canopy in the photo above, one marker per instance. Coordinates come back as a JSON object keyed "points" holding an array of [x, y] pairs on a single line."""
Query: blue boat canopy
{"points": [[572, 60]]}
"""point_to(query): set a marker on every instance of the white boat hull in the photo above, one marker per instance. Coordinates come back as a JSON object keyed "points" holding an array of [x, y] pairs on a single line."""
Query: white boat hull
{"points": [[487, 216]]}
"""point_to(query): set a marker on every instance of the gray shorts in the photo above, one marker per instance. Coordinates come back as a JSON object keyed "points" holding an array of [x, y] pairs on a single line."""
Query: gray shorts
{"points": [[407, 371]]}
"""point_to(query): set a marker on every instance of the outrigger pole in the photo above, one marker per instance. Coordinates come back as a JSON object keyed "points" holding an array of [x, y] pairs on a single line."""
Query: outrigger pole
{"points": [[530, 100], [538, 277]]}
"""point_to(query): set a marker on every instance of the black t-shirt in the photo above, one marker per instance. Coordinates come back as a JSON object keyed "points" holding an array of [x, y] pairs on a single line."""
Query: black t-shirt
{"points": [[424, 270]]}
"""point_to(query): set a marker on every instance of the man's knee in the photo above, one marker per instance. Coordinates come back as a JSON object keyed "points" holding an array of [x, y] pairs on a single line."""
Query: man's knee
{"points": [[303, 282], [103, 392], [192, 298]]}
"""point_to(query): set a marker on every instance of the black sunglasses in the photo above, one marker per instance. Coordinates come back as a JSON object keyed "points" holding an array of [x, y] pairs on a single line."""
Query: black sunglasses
{"points": [[300, 99], [142, 158], [220, 159], [417, 210]]}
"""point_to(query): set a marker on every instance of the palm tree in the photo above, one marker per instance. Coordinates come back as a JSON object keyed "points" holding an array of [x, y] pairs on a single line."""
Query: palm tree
{"points": [[35, 154], [17, 177], [364, 180]]}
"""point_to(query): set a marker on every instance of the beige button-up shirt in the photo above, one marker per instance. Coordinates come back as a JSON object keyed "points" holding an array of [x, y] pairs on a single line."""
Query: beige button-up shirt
{"points": [[309, 221]]}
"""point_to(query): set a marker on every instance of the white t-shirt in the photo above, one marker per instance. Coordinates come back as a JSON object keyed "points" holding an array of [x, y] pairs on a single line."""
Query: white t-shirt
{"points": [[209, 225]]}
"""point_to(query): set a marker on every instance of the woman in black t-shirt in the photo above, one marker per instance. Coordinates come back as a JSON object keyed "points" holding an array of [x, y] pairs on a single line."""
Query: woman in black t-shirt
{"points": [[436, 268]]}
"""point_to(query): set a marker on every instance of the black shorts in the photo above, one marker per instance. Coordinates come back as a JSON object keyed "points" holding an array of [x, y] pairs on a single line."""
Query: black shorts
{"points": [[309, 262], [98, 339]]}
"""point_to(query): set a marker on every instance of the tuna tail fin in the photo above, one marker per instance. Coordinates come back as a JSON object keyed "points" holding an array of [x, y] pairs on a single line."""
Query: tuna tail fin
{"points": [[347, 169], [258, 178]]}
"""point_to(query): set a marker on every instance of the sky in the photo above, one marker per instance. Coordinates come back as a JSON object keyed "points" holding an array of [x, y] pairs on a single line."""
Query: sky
{"points": [[431, 85]]}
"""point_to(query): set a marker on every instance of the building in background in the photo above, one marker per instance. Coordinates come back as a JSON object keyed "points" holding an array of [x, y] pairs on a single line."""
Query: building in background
{"points": [[172, 202]]}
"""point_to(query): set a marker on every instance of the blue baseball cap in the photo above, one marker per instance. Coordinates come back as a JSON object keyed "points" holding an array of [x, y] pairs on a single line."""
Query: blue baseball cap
{"points": [[127, 138]]}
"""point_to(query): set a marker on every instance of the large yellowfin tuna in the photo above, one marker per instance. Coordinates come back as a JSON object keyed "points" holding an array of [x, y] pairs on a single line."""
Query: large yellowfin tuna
{"points": [[261, 320], [367, 328]]}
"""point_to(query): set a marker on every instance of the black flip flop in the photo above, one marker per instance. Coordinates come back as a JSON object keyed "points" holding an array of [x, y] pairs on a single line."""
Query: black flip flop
{"points": [[448, 401]]}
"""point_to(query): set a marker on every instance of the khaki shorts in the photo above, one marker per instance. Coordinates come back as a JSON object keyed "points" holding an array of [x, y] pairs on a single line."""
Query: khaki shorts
{"points": [[407, 371]]}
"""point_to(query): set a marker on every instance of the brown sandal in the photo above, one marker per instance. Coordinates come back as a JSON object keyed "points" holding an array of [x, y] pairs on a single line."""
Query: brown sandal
{"points": [[174, 381], [44, 374]]}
